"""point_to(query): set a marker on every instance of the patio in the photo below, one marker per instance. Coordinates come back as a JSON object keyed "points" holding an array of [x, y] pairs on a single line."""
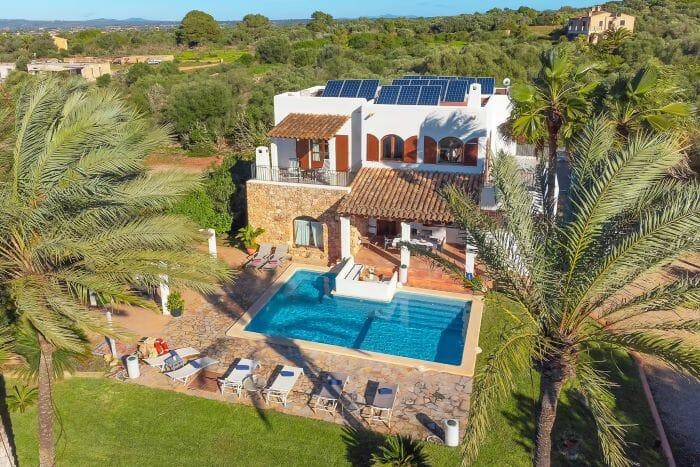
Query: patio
{"points": [[425, 398]]}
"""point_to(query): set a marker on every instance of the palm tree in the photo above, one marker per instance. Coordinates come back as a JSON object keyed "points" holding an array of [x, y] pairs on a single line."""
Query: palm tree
{"points": [[626, 219], [78, 213], [550, 107], [649, 101], [613, 39]]}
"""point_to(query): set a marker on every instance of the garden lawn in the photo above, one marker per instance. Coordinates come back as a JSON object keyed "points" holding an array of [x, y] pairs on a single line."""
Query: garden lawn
{"points": [[106, 422]]}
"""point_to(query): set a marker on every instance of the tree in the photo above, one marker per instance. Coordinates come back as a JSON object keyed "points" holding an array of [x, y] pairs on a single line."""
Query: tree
{"points": [[648, 101], [320, 21], [197, 28], [275, 49], [550, 108], [193, 105], [256, 21], [626, 219], [79, 213]]}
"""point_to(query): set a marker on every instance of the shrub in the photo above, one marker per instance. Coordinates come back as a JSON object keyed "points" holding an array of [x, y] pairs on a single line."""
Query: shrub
{"points": [[274, 49], [199, 207], [103, 81], [401, 451], [176, 305], [21, 397], [247, 236]]}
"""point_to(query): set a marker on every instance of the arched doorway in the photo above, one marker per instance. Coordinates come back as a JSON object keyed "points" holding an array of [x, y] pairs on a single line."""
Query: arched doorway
{"points": [[392, 148], [308, 232], [450, 150]]}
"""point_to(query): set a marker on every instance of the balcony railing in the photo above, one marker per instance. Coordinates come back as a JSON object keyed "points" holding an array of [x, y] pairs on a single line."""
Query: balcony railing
{"points": [[296, 175]]}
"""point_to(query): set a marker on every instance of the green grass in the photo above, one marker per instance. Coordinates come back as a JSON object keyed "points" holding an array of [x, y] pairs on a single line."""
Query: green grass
{"points": [[513, 427], [209, 55], [103, 421]]}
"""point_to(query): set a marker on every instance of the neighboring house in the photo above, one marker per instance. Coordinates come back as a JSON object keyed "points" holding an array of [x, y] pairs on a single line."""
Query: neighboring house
{"points": [[343, 172], [89, 71], [597, 22], [60, 43], [5, 70]]}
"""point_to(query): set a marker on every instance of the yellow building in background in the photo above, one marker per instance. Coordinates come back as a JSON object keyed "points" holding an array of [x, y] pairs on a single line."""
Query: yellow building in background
{"points": [[60, 43], [597, 22]]}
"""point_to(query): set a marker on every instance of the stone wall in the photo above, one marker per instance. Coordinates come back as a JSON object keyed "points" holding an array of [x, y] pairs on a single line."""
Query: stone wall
{"points": [[274, 206]]}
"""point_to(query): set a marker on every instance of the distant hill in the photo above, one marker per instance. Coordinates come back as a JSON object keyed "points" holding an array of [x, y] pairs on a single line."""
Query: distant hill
{"points": [[26, 24]]}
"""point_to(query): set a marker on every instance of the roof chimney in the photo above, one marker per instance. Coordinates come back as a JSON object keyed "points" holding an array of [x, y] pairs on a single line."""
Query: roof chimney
{"points": [[474, 99]]}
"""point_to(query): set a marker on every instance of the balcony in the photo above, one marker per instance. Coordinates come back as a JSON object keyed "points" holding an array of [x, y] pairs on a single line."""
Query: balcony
{"points": [[297, 175]]}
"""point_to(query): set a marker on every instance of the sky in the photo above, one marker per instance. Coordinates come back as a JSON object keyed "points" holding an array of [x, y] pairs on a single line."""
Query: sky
{"points": [[275, 9]]}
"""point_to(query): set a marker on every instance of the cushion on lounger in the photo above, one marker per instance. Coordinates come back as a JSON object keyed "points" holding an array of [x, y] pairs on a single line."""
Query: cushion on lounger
{"points": [[335, 382], [286, 373], [385, 391], [242, 367]]}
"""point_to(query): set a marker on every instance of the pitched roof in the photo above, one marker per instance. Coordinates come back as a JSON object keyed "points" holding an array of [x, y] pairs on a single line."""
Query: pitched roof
{"points": [[405, 194], [308, 126]]}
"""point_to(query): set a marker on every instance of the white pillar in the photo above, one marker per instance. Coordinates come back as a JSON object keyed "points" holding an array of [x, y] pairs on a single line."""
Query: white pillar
{"points": [[405, 252], [212, 242], [110, 341], [345, 250], [470, 260], [164, 293], [93, 298]]}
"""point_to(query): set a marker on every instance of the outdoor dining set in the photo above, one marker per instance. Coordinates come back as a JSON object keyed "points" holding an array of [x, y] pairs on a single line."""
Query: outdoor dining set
{"points": [[329, 396]]}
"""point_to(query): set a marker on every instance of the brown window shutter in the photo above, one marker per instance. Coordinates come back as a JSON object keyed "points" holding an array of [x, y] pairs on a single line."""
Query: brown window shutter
{"points": [[372, 148], [410, 148], [471, 151], [303, 153], [342, 162], [429, 150]]}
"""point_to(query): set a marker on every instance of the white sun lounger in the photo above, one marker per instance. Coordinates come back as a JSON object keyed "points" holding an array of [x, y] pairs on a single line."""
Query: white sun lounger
{"points": [[184, 374], [382, 407], [283, 384], [159, 361], [261, 255], [277, 258], [234, 380]]}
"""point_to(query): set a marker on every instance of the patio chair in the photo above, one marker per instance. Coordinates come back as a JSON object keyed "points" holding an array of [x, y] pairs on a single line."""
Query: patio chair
{"points": [[282, 385], [332, 387], [184, 374], [261, 255], [277, 258], [240, 371], [160, 361], [382, 407]]}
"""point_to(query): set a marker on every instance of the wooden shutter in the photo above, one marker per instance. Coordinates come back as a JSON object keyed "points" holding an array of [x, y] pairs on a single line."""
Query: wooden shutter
{"points": [[429, 150], [471, 152], [410, 150], [303, 149], [342, 163], [372, 148]]}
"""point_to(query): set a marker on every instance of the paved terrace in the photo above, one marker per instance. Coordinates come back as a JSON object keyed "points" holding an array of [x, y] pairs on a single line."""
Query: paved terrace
{"points": [[424, 399]]}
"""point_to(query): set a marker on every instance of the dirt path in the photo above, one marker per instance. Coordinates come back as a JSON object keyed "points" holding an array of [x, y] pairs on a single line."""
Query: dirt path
{"points": [[190, 164]]}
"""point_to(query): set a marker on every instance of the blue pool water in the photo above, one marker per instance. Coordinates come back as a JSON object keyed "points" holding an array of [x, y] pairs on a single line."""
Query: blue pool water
{"points": [[411, 325]]}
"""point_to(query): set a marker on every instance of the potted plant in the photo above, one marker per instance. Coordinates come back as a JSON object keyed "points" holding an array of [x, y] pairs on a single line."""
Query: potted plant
{"points": [[247, 235], [176, 305]]}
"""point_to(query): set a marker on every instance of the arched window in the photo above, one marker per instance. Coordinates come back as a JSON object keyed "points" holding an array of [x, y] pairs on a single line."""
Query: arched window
{"points": [[392, 148], [450, 150], [308, 232]]}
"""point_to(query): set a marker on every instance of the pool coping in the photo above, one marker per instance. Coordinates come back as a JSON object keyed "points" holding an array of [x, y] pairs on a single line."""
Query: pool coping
{"points": [[471, 342]]}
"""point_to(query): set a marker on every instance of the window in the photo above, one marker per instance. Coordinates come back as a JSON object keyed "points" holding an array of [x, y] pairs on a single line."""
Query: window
{"points": [[450, 150], [308, 232], [392, 147], [600, 23], [622, 22], [319, 150]]}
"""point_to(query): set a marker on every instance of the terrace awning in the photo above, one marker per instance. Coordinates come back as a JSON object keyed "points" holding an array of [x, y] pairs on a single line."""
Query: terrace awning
{"points": [[405, 195], [308, 126]]}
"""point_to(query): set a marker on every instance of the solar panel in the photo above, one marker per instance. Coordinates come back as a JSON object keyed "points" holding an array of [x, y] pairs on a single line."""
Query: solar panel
{"points": [[408, 95], [388, 94], [333, 88], [402, 82], [417, 82], [411, 77], [430, 95], [456, 91], [368, 88], [446, 77], [350, 88], [487, 84], [442, 83]]}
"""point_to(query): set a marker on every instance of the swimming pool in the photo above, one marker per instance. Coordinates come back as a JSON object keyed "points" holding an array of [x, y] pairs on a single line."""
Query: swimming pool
{"points": [[423, 327]]}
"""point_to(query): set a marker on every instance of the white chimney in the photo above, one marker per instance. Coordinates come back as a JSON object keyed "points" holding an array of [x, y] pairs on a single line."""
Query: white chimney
{"points": [[474, 99], [262, 156]]}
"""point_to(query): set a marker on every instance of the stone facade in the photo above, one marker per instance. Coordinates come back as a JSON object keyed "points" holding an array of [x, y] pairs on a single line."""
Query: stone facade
{"points": [[274, 206]]}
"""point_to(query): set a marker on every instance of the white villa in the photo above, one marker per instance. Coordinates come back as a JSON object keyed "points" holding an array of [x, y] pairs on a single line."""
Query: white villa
{"points": [[355, 169]]}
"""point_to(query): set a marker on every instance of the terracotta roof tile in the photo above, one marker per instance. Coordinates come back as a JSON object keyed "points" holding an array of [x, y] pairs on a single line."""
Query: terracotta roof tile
{"points": [[308, 126], [404, 194]]}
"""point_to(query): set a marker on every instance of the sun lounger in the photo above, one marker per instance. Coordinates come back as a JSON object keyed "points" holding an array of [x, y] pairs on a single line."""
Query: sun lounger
{"points": [[277, 258], [234, 380], [332, 387], [283, 384], [261, 256], [382, 407], [184, 374], [160, 360]]}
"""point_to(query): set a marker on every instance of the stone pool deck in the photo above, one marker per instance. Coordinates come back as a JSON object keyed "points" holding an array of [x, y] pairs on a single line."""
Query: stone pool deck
{"points": [[425, 398]]}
